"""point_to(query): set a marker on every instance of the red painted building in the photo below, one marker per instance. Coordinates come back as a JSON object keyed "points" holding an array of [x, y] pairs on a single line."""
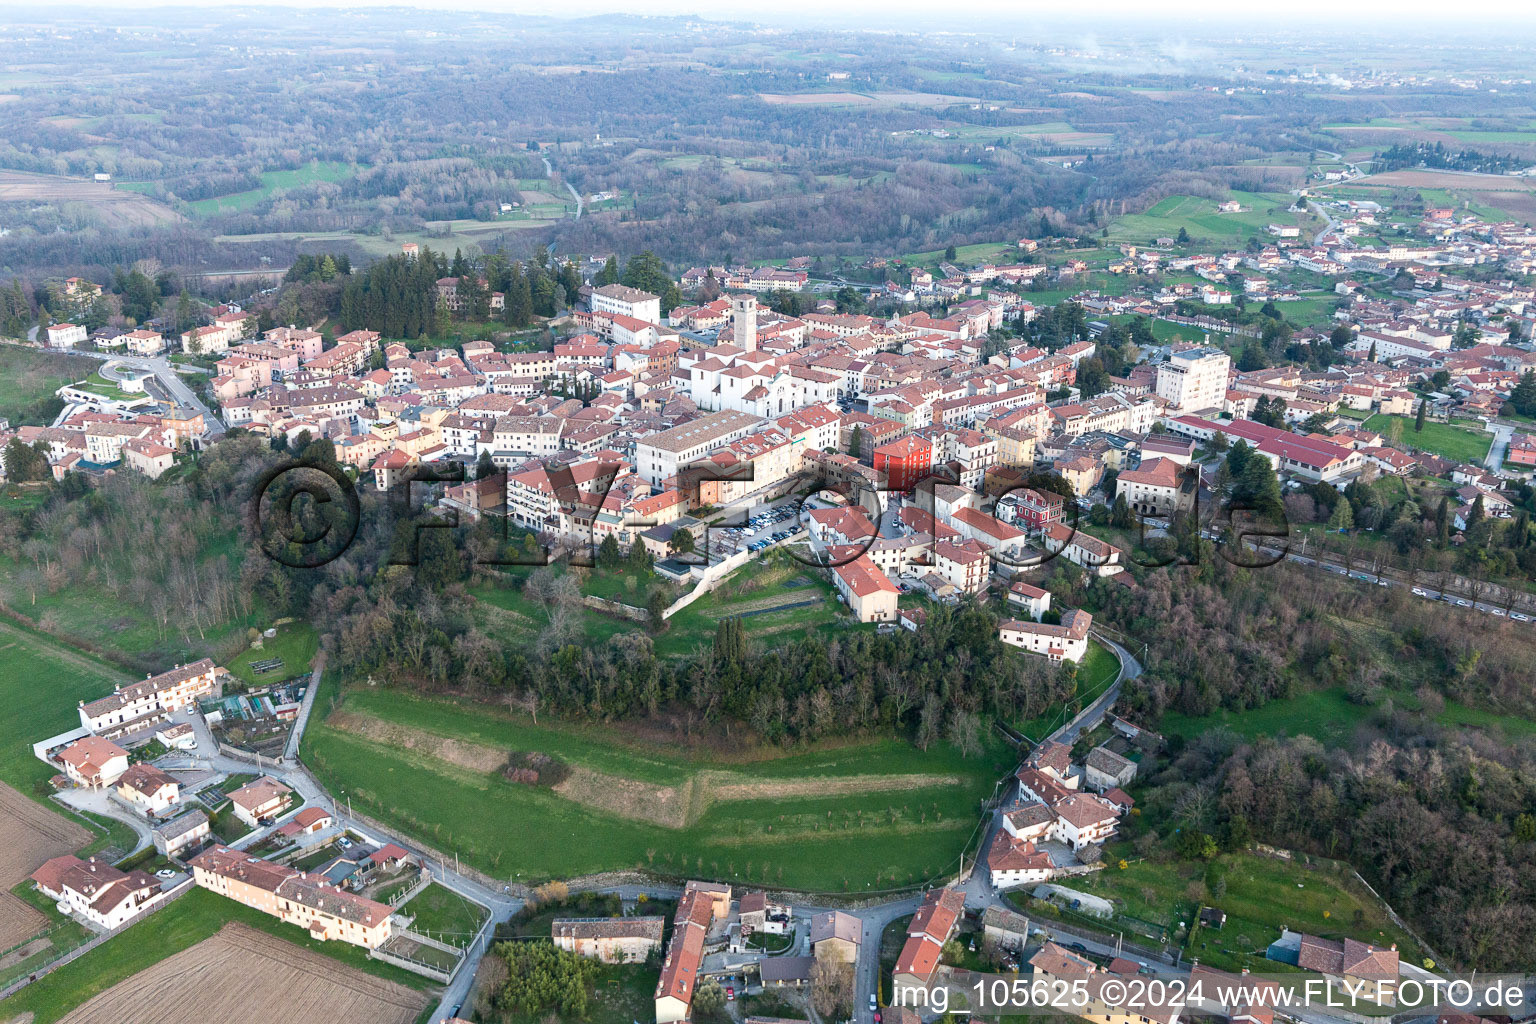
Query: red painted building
{"points": [[904, 461]]}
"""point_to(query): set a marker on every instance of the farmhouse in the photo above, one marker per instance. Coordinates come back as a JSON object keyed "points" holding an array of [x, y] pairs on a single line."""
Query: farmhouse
{"points": [[95, 891], [613, 940], [293, 896]]}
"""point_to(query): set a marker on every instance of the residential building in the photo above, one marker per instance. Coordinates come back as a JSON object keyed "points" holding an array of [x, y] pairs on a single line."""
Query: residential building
{"points": [[260, 801], [931, 927], [66, 335], [1066, 642], [1083, 549], [184, 832], [93, 762], [1013, 861], [1194, 379], [1030, 599], [613, 940], [149, 790], [836, 936], [139, 705], [625, 301], [97, 892], [327, 912], [1157, 487], [696, 912]]}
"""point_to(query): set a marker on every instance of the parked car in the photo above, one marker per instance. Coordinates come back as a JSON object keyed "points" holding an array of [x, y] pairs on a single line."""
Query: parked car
{"points": [[1420, 592], [872, 1004], [730, 994], [1520, 616]]}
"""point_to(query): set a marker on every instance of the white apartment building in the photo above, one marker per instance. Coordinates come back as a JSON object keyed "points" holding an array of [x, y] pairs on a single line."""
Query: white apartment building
{"points": [[626, 301], [1194, 379]]}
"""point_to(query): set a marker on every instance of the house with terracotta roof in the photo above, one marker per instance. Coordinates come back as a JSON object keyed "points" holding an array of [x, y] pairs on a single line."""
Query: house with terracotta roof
{"points": [[261, 800], [149, 790], [1065, 642], [1031, 600], [1014, 861], [93, 762], [329, 913], [95, 891], [685, 951], [1365, 970], [931, 927], [1155, 488], [868, 592]]}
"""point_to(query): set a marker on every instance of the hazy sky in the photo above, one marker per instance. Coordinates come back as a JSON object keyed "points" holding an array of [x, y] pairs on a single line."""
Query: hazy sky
{"points": [[878, 14]]}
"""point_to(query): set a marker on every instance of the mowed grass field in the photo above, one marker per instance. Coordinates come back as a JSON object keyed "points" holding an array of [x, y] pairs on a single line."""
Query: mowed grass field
{"points": [[296, 644], [780, 601], [1262, 895], [865, 815], [1449, 440], [1198, 216], [40, 683]]}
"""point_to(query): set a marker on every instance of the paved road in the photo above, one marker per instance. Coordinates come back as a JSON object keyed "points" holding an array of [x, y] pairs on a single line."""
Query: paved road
{"points": [[1501, 433], [549, 171], [166, 376]]}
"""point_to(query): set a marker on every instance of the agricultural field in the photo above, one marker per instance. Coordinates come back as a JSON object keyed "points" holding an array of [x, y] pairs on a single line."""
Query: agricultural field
{"points": [[1448, 440], [279, 950], [213, 981], [1198, 216], [33, 834], [1260, 895], [28, 379], [835, 817], [1494, 194], [114, 208]]}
